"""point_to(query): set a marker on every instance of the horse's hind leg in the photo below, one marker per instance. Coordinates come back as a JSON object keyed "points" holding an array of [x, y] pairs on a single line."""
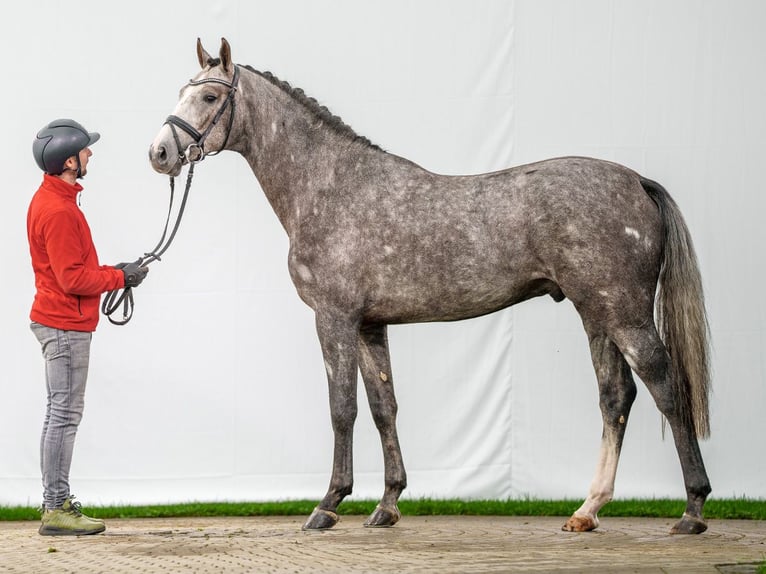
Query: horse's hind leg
{"points": [[617, 392], [649, 359], [375, 365]]}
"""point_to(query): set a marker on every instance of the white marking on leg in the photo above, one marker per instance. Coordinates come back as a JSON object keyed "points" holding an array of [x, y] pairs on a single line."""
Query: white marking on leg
{"points": [[602, 487], [630, 357]]}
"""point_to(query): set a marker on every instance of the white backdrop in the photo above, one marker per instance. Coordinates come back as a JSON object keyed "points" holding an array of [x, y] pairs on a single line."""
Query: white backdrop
{"points": [[216, 389]]}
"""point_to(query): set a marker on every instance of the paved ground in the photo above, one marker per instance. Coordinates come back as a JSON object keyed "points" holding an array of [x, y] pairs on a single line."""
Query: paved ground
{"points": [[443, 544]]}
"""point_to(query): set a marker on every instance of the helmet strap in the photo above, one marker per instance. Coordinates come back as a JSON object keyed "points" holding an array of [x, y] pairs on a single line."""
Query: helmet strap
{"points": [[77, 172]]}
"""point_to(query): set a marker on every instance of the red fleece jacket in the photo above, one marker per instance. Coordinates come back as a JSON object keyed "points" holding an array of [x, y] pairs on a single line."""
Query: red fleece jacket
{"points": [[68, 277]]}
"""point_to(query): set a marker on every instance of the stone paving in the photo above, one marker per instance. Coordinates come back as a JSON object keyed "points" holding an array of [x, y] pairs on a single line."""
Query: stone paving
{"points": [[444, 544]]}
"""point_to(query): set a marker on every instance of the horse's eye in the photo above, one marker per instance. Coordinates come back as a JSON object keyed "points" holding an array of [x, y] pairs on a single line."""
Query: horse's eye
{"points": [[210, 98]]}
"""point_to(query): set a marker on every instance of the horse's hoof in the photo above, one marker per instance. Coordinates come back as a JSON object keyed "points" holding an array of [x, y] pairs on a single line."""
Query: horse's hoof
{"points": [[689, 525], [383, 517], [320, 519], [580, 524]]}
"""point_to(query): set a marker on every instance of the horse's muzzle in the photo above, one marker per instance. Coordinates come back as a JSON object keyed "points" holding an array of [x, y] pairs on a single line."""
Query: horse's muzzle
{"points": [[163, 160]]}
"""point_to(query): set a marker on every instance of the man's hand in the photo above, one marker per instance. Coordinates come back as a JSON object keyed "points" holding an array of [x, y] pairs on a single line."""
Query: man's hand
{"points": [[134, 272]]}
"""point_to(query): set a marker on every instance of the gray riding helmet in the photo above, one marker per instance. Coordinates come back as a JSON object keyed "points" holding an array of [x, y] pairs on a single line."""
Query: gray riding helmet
{"points": [[58, 141]]}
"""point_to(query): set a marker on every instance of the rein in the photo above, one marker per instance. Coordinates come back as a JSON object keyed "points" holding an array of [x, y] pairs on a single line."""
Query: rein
{"points": [[193, 154]]}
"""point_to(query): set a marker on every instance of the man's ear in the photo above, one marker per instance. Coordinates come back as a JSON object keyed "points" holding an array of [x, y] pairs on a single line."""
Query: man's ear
{"points": [[71, 163]]}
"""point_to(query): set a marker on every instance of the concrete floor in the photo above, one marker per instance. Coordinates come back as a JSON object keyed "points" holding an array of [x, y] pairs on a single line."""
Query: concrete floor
{"points": [[442, 544]]}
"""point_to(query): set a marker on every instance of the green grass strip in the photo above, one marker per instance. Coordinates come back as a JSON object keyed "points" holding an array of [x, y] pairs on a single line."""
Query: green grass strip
{"points": [[656, 508]]}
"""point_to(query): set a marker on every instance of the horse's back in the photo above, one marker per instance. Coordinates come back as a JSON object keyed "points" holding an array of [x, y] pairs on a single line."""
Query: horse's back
{"points": [[410, 245]]}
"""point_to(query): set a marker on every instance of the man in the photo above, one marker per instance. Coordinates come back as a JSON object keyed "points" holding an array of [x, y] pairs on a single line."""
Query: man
{"points": [[69, 282]]}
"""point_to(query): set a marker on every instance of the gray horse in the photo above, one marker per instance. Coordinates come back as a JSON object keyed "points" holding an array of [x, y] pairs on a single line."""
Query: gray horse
{"points": [[377, 240]]}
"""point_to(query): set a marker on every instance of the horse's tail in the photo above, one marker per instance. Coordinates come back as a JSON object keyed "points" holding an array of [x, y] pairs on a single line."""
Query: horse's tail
{"points": [[681, 317]]}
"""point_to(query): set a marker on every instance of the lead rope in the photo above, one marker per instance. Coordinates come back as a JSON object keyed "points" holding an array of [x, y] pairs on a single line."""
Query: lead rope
{"points": [[124, 297], [114, 299]]}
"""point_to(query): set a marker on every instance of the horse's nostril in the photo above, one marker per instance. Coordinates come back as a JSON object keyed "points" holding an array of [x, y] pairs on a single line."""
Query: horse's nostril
{"points": [[162, 153]]}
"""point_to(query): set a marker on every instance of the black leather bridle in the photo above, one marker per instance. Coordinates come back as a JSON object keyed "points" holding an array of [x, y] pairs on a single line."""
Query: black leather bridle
{"points": [[193, 154], [196, 151]]}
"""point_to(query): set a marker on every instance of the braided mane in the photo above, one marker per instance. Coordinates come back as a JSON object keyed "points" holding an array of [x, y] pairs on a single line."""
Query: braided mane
{"points": [[318, 110]]}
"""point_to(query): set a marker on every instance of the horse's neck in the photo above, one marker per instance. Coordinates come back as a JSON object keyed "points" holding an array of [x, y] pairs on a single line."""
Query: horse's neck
{"points": [[289, 152]]}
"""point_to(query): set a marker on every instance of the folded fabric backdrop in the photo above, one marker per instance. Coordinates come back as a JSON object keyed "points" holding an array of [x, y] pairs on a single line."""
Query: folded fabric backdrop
{"points": [[216, 389]]}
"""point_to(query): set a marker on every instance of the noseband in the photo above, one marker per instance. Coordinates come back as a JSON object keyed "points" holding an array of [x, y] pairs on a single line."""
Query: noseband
{"points": [[196, 151]]}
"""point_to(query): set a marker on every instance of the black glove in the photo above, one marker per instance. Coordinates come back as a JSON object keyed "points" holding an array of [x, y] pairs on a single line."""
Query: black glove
{"points": [[133, 272]]}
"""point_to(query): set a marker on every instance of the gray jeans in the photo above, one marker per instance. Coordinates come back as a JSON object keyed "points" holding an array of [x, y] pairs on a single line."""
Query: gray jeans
{"points": [[66, 354]]}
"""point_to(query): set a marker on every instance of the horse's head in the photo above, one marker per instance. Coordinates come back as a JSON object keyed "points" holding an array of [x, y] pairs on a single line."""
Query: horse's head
{"points": [[202, 120]]}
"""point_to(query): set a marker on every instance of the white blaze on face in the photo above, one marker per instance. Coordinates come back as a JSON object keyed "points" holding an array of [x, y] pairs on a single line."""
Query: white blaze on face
{"points": [[182, 109], [163, 138], [165, 135]]}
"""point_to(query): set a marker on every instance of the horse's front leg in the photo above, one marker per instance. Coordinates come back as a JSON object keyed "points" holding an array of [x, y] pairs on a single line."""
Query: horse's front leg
{"points": [[338, 336], [375, 364]]}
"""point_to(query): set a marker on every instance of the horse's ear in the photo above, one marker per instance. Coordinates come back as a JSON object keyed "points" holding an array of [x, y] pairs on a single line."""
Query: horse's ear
{"points": [[202, 55], [225, 55]]}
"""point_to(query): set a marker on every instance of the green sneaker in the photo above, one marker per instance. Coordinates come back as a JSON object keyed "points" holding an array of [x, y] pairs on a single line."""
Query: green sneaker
{"points": [[69, 521]]}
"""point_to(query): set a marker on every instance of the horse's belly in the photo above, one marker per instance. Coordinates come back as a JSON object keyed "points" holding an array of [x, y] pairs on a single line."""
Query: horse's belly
{"points": [[415, 303]]}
